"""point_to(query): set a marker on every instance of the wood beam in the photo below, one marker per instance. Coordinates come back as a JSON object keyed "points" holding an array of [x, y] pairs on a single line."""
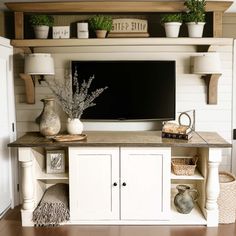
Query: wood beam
{"points": [[144, 6], [217, 24], [29, 88], [19, 25]]}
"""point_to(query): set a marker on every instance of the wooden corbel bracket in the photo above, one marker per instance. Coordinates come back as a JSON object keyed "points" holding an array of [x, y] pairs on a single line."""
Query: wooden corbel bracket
{"points": [[29, 88], [212, 87]]}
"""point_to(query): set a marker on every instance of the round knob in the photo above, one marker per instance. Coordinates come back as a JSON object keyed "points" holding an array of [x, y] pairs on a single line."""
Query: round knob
{"points": [[124, 184], [115, 184]]}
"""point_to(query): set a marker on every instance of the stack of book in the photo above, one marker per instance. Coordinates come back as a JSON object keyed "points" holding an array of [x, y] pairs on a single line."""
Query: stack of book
{"points": [[172, 130]]}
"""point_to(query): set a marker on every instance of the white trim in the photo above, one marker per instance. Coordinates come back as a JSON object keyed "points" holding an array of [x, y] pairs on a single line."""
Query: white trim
{"points": [[233, 163]]}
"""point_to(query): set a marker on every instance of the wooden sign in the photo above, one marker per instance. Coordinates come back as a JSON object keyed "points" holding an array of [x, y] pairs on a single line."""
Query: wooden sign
{"points": [[129, 26]]}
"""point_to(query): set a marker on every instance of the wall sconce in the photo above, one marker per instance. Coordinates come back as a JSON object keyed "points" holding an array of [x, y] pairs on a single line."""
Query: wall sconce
{"points": [[36, 64], [209, 66]]}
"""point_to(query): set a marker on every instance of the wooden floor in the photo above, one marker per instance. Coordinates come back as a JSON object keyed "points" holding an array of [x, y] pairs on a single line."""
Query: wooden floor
{"points": [[10, 225]]}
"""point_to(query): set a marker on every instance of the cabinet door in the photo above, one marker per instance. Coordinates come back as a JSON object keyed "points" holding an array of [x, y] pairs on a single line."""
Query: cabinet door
{"points": [[145, 183], [94, 183]]}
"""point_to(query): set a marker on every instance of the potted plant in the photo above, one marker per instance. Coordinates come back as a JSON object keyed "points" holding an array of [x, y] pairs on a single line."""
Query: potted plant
{"points": [[100, 24], [74, 101], [195, 17], [172, 23], [41, 24]]}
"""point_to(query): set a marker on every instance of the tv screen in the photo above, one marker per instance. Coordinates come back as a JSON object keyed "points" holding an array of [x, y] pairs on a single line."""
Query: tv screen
{"points": [[137, 90]]}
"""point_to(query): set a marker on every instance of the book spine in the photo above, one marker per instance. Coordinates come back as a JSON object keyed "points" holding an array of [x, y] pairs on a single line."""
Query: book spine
{"points": [[176, 136]]}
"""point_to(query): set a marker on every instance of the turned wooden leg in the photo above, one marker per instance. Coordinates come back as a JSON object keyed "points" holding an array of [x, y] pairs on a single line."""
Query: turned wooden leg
{"points": [[213, 186], [27, 181]]}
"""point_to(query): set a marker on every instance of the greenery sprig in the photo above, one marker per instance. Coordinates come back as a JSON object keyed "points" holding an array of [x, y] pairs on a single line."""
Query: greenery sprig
{"points": [[74, 103], [177, 17], [100, 22], [195, 11], [41, 20]]}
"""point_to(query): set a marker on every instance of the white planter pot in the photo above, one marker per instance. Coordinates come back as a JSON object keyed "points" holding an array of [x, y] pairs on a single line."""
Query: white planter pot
{"points": [[41, 31], [172, 29], [195, 30], [74, 126], [101, 33]]}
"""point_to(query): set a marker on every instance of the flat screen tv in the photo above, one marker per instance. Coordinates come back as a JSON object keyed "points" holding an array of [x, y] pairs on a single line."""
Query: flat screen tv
{"points": [[137, 90]]}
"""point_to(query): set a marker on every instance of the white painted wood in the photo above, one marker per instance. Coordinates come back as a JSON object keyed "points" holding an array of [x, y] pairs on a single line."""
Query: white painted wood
{"points": [[197, 176], [27, 178], [8, 194], [93, 172], [212, 186], [146, 174]]}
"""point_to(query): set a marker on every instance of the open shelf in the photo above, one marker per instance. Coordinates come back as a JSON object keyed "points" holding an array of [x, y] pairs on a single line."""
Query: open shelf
{"points": [[121, 42], [195, 217], [60, 176], [197, 176]]}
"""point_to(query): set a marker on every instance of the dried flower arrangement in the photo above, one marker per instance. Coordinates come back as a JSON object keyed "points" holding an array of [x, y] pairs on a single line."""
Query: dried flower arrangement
{"points": [[74, 103]]}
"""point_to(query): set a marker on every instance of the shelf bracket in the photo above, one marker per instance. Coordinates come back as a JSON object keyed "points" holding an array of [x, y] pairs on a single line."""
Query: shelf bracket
{"points": [[29, 88], [212, 87]]}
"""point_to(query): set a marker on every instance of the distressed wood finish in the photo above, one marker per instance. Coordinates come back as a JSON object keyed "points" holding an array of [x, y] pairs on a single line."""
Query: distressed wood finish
{"points": [[149, 6], [123, 41], [19, 25], [212, 88], [110, 138], [29, 88], [217, 24]]}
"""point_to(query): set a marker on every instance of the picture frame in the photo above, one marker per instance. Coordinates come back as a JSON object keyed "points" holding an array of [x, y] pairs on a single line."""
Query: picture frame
{"points": [[55, 161]]}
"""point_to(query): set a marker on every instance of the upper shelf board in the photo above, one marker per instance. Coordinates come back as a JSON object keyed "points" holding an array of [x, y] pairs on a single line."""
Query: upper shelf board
{"points": [[117, 6], [120, 42]]}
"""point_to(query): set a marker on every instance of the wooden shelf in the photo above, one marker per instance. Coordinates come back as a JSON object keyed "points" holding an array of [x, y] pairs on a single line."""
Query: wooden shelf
{"points": [[60, 176], [24, 43], [128, 6]]}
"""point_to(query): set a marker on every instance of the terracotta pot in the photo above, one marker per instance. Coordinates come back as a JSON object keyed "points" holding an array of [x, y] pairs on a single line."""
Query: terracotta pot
{"points": [[101, 33]]}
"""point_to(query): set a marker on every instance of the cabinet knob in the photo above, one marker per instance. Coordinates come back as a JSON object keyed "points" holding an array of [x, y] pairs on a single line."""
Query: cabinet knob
{"points": [[124, 184], [115, 184]]}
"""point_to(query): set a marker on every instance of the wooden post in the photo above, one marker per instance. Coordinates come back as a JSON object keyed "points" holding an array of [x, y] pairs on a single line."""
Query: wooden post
{"points": [[217, 24], [212, 87], [19, 25]]}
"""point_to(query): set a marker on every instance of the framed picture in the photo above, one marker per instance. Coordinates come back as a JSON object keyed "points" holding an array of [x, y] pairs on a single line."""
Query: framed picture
{"points": [[55, 161]]}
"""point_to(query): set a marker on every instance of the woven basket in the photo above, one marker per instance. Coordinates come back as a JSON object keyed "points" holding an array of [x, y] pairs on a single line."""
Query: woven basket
{"points": [[184, 166], [227, 198]]}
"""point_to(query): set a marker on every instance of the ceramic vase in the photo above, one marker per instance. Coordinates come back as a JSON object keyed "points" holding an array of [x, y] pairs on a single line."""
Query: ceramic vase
{"points": [[185, 199], [74, 126], [50, 124], [195, 30]]}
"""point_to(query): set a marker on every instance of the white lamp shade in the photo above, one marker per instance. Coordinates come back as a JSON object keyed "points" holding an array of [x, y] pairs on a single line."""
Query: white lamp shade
{"points": [[39, 64], [207, 64]]}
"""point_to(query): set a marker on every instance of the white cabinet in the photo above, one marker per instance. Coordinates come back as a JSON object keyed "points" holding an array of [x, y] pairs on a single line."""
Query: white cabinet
{"points": [[94, 183], [145, 172], [111, 183]]}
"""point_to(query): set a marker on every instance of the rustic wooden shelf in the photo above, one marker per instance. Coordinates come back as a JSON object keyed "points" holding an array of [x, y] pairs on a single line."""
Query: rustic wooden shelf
{"points": [[217, 7], [121, 42]]}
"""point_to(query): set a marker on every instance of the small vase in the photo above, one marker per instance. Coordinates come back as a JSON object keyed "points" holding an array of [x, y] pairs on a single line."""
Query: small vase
{"points": [[74, 126], [50, 124], [185, 199]]}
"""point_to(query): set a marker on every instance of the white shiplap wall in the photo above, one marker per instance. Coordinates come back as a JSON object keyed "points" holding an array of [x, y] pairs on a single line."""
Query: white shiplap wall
{"points": [[190, 88]]}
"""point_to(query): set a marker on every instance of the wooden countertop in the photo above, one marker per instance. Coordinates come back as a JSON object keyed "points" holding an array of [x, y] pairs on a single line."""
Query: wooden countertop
{"points": [[127, 138]]}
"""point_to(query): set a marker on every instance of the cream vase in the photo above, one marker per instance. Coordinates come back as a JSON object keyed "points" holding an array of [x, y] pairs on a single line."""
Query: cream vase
{"points": [[41, 31], [172, 29], [74, 126], [195, 30]]}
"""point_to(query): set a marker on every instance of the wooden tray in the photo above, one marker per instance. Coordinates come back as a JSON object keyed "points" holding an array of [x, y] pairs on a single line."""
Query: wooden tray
{"points": [[69, 137]]}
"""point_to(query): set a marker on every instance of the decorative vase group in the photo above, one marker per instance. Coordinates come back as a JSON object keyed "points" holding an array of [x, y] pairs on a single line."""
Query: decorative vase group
{"points": [[50, 124], [185, 199]]}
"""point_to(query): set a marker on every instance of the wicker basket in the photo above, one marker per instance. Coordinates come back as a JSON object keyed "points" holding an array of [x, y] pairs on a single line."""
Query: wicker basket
{"points": [[184, 166], [227, 198]]}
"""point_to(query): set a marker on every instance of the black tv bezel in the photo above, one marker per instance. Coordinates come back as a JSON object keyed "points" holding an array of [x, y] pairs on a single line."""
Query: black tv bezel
{"points": [[124, 119]]}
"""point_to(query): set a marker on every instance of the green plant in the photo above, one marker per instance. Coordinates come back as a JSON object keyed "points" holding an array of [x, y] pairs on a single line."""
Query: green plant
{"points": [[171, 18], [41, 20], [196, 11], [100, 22]]}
